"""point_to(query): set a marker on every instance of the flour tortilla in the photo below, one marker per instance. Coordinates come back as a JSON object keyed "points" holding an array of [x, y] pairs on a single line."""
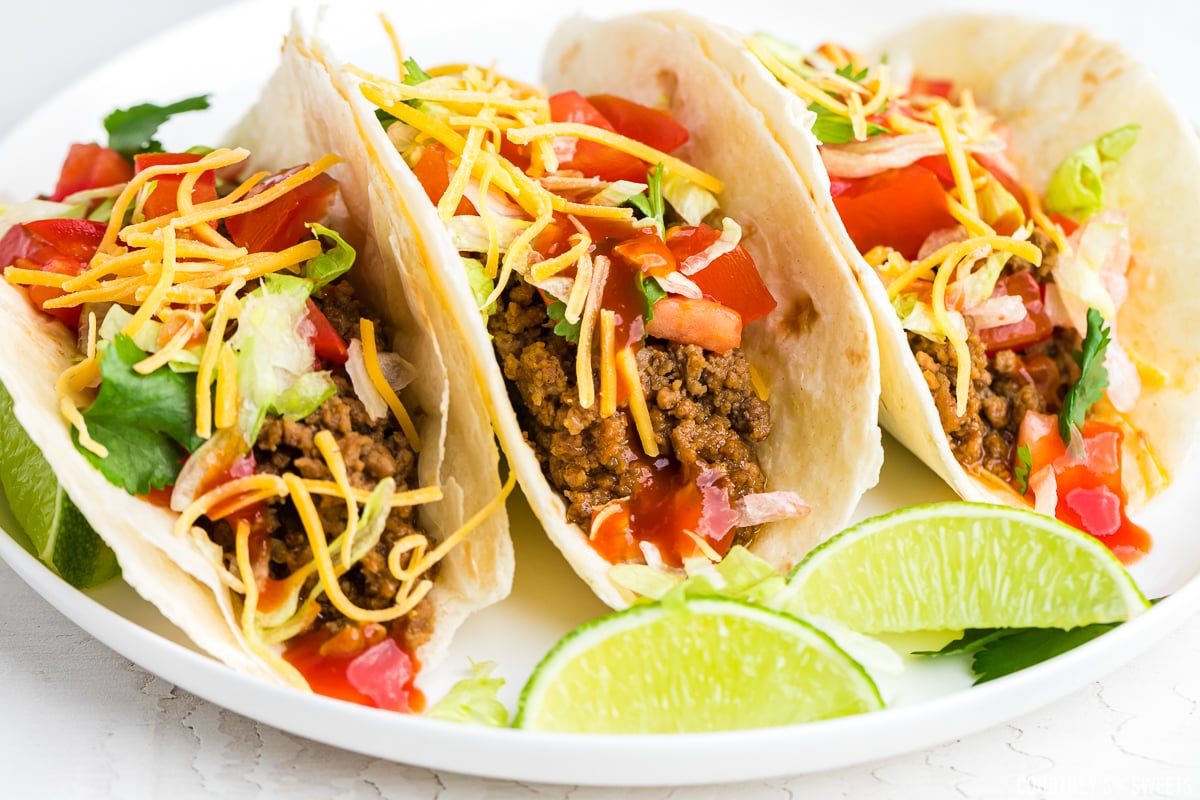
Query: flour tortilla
{"points": [[816, 351], [1056, 88], [300, 118]]}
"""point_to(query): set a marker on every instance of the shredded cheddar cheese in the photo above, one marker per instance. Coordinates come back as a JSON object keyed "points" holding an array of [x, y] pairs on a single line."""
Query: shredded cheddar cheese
{"points": [[608, 362], [375, 373], [628, 366]]}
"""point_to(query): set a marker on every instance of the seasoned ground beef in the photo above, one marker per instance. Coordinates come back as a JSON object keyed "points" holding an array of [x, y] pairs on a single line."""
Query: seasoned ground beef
{"points": [[372, 450], [702, 406], [1003, 389], [1005, 385]]}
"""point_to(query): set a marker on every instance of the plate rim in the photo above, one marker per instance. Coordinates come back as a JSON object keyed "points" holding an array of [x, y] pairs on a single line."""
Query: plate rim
{"points": [[575, 759]]}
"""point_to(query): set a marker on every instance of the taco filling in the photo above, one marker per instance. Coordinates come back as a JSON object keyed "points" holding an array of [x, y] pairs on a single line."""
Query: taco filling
{"points": [[227, 370], [1008, 299], [615, 292]]}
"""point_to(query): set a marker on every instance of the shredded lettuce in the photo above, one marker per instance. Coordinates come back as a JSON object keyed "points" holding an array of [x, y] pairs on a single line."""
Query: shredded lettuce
{"points": [[1076, 187], [115, 320], [917, 316], [470, 234], [474, 700], [31, 210], [481, 285], [275, 355], [331, 264], [617, 193], [1079, 275], [690, 201]]}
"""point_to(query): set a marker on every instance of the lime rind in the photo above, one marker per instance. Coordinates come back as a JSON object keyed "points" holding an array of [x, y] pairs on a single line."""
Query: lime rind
{"points": [[963, 565], [657, 668]]}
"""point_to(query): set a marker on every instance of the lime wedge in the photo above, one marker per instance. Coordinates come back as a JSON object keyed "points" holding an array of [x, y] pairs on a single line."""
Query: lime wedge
{"points": [[951, 566], [61, 536], [708, 664]]}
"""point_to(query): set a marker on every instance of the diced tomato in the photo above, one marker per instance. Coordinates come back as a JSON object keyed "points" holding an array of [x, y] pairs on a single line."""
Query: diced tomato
{"points": [[327, 344], [1035, 327], [165, 197], [1068, 225], [939, 165], [732, 280], [702, 322], [281, 223], [897, 208], [433, 170], [90, 166], [63, 246], [651, 126], [594, 160], [930, 87], [647, 252], [74, 238], [1090, 495], [382, 676]]}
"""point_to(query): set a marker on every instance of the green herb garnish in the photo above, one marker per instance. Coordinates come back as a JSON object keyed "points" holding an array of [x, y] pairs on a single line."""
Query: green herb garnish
{"points": [[1093, 377], [145, 421], [568, 330], [834, 128], [651, 292], [650, 202], [1024, 465], [996, 652], [131, 130]]}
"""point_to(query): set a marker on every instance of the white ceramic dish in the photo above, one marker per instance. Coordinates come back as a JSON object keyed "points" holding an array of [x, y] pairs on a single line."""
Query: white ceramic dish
{"points": [[930, 703]]}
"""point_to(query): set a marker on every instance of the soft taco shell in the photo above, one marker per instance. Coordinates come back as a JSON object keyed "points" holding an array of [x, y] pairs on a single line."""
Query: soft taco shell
{"points": [[297, 120], [816, 351], [1056, 88]]}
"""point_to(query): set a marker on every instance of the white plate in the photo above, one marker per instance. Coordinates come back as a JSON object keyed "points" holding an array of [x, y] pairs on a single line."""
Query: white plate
{"points": [[931, 703]]}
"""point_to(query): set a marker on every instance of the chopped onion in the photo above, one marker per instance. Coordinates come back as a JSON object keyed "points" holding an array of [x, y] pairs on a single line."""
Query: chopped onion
{"points": [[678, 283], [1044, 486], [996, 311], [864, 159], [763, 507], [382, 673], [940, 238], [356, 367], [226, 450]]}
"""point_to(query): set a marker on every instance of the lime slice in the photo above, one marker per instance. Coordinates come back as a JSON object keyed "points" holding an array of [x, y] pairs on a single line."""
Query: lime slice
{"points": [[61, 536], [951, 566], [709, 664]]}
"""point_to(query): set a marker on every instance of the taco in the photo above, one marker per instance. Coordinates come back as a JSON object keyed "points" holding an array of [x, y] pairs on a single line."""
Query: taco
{"points": [[676, 358], [1000, 186], [227, 376]]}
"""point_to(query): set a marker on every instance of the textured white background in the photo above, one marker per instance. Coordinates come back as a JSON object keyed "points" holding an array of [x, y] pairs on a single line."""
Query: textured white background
{"points": [[77, 720]]}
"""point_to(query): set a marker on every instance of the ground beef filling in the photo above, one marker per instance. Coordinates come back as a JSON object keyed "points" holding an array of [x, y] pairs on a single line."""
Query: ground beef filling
{"points": [[373, 450], [1004, 386], [702, 407]]}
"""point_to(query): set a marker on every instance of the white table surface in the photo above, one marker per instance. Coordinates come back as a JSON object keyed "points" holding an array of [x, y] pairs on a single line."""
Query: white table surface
{"points": [[77, 720]]}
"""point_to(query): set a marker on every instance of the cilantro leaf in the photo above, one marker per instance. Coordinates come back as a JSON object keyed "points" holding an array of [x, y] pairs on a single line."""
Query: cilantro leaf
{"points": [[1024, 465], [1093, 377], [142, 420], [1002, 651], [131, 130], [1024, 647], [847, 71], [650, 202], [651, 291], [331, 264], [834, 128], [557, 311]]}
